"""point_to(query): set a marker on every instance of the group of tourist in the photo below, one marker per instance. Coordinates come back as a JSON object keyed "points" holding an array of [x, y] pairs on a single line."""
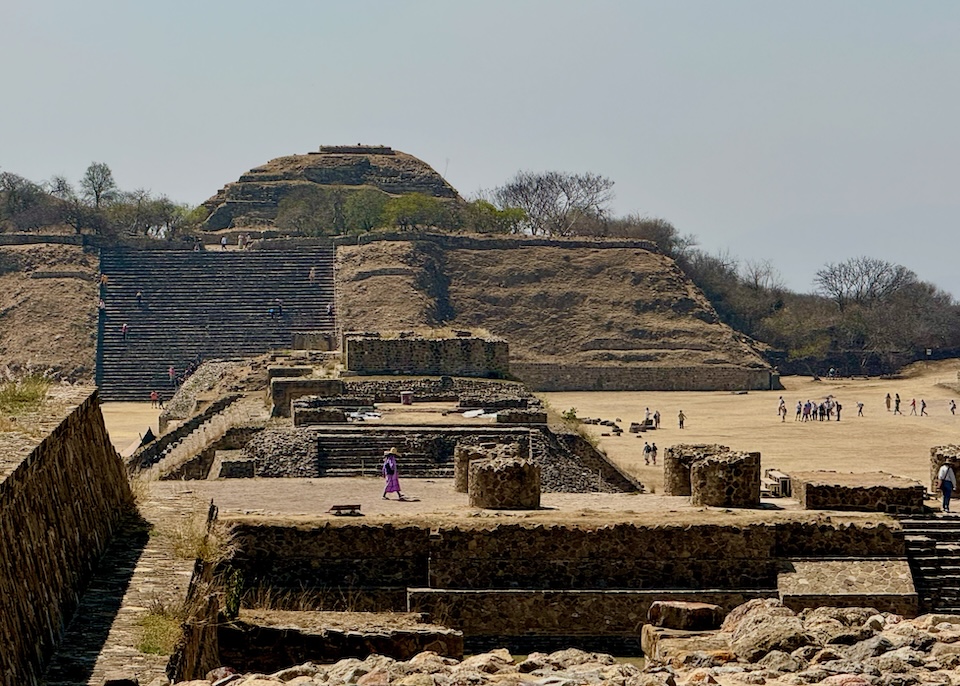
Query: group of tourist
{"points": [[811, 410]]}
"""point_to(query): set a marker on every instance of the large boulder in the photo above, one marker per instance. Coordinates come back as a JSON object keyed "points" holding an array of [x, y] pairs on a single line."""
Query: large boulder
{"points": [[767, 628], [679, 614]]}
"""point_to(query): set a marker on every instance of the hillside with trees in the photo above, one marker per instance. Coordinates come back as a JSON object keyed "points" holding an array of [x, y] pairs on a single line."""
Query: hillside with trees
{"points": [[863, 315]]}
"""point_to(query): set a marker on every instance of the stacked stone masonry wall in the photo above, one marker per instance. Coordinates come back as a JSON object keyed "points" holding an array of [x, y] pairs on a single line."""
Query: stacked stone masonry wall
{"points": [[58, 511], [284, 390], [546, 377], [470, 450], [726, 480], [677, 460], [467, 356], [832, 491], [504, 483]]}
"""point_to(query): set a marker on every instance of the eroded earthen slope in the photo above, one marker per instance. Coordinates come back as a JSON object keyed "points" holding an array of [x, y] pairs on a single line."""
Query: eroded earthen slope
{"points": [[48, 325], [584, 305]]}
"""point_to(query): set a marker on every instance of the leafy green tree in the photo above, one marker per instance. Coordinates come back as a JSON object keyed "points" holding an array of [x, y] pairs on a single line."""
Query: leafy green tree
{"points": [[416, 210], [310, 210], [363, 210], [483, 216]]}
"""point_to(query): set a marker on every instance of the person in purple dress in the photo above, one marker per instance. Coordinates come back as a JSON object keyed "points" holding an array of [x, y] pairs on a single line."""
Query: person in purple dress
{"points": [[391, 474]]}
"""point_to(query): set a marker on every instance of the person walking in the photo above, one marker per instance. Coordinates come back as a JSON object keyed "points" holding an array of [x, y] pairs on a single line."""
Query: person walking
{"points": [[913, 406], [923, 408], [123, 330], [838, 407], [656, 420], [896, 405], [391, 474], [154, 398], [312, 275], [653, 454], [172, 373], [139, 297], [799, 411], [947, 483], [953, 407], [681, 417], [646, 453], [223, 243], [859, 409]]}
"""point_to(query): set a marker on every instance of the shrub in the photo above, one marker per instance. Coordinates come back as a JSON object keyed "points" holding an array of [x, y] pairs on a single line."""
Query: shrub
{"points": [[23, 395]]}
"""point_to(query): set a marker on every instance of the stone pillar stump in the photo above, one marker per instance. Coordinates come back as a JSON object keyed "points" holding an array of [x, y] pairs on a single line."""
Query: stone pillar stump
{"points": [[504, 484], [726, 480]]}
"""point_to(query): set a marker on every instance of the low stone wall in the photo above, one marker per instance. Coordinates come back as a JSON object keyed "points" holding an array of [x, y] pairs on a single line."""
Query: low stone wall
{"points": [[870, 492], [288, 371], [270, 641], [479, 392], [571, 614], [517, 416], [677, 460], [313, 409], [504, 483], [726, 480], [284, 390], [337, 555], [200, 465], [466, 356], [940, 455], [58, 511], [547, 377]]}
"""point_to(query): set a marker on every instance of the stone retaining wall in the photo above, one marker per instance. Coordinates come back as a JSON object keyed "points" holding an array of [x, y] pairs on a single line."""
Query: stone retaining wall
{"points": [[871, 492], [467, 356], [504, 483], [619, 555], [479, 392], [547, 377], [58, 511]]}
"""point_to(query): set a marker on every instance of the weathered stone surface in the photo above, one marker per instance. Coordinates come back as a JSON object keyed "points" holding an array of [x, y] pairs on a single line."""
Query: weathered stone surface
{"points": [[418, 356], [124, 678], [885, 584], [504, 484], [870, 492], [765, 628], [726, 480], [468, 451], [676, 465], [59, 509], [691, 616], [779, 661]]}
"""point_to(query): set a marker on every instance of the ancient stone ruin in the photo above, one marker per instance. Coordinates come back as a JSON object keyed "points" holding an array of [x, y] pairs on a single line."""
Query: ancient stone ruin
{"points": [[677, 461], [869, 492], [417, 355], [726, 480], [468, 451], [504, 483]]}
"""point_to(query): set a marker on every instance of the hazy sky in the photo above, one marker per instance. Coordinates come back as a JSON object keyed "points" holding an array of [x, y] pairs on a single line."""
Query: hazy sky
{"points": [[802, 132]]}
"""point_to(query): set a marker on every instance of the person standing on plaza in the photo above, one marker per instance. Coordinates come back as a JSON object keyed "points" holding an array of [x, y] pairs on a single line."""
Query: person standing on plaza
{"points": [[391, 474], [888, 402], [681, 417], [947, 483], [953, 407], [656, 420]]}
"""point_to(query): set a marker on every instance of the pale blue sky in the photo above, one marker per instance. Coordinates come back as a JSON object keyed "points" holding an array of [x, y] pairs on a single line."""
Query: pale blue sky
{"points": [[801, 132]]}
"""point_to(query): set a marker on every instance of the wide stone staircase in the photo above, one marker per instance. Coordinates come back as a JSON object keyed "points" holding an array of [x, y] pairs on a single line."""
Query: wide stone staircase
{"points": [[933, 550], [202, 305]]}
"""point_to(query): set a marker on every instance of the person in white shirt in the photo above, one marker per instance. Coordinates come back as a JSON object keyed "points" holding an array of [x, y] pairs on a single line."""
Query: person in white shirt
{"points": [[948, 482]]}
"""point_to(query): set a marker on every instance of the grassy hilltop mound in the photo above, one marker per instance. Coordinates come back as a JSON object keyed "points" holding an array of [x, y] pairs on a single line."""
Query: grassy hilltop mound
{"points": [[256, 197], [568, 305]]}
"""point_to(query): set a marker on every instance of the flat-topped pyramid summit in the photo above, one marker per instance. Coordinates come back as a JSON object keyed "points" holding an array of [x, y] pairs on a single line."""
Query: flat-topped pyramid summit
{"points": [[256, 196]]}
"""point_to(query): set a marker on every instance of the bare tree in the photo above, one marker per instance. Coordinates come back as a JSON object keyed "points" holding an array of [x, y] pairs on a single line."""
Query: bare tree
{"points": [[761, 275], [97, 184], [862, 280], [555, 201]]}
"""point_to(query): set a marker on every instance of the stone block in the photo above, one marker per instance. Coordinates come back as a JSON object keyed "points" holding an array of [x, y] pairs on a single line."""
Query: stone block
{"points": [[411, 354], [288, 371], [318, 415], [504, 484], [284, 390], [690, 616], [521, 417], [726, 480], [866, 492], [677, 460]]}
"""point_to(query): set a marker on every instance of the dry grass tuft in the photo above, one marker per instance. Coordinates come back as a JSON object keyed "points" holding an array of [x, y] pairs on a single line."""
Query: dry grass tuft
{"points": [[160, 628], [18, 396], [191, 540]]}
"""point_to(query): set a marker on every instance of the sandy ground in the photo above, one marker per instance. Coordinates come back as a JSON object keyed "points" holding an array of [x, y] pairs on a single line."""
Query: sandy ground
{"points": [[878, 441], [127, 422]]}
